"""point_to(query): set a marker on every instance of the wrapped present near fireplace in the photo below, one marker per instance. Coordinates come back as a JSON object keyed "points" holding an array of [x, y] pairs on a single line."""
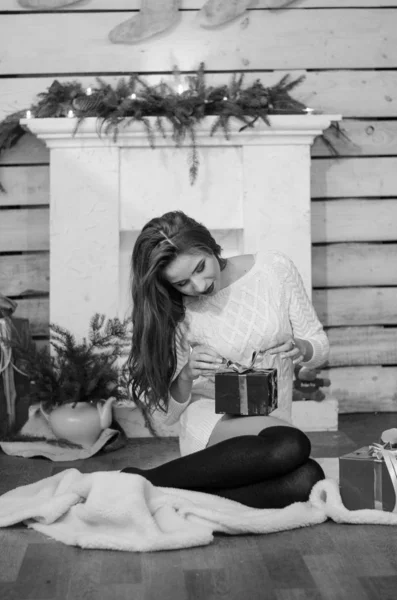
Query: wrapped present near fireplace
{"points": [[245, 390], [14, 384], [368, 477]]}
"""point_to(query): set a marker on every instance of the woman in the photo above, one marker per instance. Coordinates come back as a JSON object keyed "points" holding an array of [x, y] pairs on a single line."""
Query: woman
{"points": [[193, 310]]}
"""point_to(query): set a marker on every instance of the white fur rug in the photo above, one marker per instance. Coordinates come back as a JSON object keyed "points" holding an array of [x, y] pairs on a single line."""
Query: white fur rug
{"points": [[120, 511]]}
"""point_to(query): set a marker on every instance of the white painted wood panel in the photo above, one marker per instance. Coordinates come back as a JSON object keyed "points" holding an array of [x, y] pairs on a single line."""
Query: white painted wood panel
{"points": [[363, 389], [328, 91], [350, 346], [344, 265], [25, 185], [356, 306], [261, 40], [368, 138], [25, 229], [29, 150], [346, 177], [24, 273], [354, 220], [133, 5]]}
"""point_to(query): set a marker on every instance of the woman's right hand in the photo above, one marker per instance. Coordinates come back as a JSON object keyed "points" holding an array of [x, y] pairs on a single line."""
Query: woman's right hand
{"points": [[203, 361]]}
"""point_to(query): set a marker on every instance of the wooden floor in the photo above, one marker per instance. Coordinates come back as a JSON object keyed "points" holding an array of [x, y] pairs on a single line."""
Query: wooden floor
{"points": [[327, 561]]}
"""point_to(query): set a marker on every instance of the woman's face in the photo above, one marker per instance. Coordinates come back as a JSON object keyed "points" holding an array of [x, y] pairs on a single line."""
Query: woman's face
{"points": [[194, 274]]}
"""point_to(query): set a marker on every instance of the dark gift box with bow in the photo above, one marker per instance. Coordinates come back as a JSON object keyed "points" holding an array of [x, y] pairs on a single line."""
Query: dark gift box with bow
{"points": [[368, 478], [243, 390]]}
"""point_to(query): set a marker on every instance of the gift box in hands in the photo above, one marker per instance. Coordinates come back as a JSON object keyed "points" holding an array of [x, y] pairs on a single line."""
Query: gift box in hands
{"points": [[245, 390]]}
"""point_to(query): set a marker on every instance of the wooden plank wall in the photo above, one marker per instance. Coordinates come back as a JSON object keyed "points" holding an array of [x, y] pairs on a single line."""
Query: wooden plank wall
{"points": [[348, 50]]}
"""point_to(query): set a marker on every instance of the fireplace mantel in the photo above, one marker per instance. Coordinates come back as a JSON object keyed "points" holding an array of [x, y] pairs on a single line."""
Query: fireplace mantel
{"points": [[252, 191], [284, 129], [255, 184]]}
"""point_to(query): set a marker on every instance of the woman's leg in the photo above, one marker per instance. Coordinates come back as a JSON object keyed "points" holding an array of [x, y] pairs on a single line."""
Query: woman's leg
{"points": [[229, 427], [242, 462], [278, 492]]}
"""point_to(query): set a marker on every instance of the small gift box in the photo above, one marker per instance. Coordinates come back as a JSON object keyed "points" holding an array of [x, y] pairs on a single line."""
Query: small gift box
{"points": [[368, 478], [243, 390], [14, 385]]}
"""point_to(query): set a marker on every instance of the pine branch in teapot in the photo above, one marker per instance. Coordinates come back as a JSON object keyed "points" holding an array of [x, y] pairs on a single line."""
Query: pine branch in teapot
{"points": [[86, 371]]}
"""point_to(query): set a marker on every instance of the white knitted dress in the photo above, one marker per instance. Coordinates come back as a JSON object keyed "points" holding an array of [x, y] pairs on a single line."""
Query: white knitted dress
{"points": [[259, 310]]}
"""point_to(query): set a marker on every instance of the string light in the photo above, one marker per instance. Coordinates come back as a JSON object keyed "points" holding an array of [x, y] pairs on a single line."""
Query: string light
{"points": [[133, 96], [88, 91], [70, 114], [28, 114], [225, 98]]}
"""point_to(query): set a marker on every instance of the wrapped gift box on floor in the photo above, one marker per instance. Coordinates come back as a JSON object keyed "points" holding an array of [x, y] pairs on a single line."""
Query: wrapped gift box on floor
{"points": [[12, 423], [249, 393], [367, 480]]}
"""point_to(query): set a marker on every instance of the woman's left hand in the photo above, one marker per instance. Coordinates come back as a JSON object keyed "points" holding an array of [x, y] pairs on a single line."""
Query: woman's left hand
{"points": [[293, 348]]}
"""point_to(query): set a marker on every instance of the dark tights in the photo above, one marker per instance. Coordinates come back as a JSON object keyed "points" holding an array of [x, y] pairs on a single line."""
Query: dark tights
{"points": [[268, 470]]}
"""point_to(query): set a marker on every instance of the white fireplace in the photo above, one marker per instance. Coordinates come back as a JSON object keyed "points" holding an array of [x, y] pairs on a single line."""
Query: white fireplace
{"points": [[252, 191]]}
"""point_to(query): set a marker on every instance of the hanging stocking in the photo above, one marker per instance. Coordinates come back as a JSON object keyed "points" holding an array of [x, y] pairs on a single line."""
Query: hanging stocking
{"points": [[219, 12], [46, 4], [154, 17]]}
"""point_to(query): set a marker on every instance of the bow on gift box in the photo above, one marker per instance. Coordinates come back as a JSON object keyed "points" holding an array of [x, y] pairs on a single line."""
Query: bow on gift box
{"points": [[241, 369], [7, 307], [387, 452]]}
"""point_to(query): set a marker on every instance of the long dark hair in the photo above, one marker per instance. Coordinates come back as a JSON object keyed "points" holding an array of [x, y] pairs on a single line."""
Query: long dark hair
{"points": [[157, 307]]}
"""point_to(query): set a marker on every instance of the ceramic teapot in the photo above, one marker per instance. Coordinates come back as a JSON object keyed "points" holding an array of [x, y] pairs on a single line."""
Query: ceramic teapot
{"points": [[81, 422]]}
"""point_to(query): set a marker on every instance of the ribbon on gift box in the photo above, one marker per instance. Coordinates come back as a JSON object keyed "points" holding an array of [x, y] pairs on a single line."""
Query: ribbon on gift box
{"points": [[384, 452], [241, 369]]}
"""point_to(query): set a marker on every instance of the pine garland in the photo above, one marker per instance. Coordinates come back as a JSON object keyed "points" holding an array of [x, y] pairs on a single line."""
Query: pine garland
{"points": [[132, 99], [72, 372]]}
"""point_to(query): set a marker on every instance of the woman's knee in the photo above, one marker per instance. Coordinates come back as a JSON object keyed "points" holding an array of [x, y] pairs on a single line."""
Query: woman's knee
{"points": [[291, 445], [308, 475], [296, 486]]}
